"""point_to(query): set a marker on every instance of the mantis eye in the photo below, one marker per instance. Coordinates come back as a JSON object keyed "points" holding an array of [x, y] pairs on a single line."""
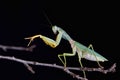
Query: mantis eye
{"points": [[54, 29]]}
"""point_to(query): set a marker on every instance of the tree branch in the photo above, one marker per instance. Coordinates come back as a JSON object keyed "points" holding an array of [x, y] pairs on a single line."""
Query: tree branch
{"points": [[67, 69], [4, 47]]}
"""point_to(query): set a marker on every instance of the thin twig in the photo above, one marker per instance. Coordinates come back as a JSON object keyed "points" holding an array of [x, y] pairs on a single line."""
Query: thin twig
{"points": [[105, 71], [5, 48], [67, 69], [29, 68], [74, 75]]}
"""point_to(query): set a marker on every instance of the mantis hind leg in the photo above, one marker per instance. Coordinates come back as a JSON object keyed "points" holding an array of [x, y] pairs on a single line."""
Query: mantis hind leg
{"points": [[90, 46]]}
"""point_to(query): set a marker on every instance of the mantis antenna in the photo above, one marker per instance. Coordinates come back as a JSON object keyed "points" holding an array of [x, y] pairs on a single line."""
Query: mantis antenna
{"points": [[47, 19]]}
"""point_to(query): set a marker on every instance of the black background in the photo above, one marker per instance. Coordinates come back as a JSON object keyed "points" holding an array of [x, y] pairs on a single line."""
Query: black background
{"points": [[87, 22]]}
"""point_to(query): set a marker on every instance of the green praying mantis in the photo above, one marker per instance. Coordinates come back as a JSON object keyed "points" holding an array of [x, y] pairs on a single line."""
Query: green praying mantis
{"points": [[77, 48]]}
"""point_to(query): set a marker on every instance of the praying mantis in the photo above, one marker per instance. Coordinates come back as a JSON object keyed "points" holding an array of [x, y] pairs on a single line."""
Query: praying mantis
{"points": [[77, 48]]}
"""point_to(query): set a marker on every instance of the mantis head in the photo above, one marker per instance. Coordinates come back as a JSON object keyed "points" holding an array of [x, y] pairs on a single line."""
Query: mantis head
{"points": [[54, 29]]}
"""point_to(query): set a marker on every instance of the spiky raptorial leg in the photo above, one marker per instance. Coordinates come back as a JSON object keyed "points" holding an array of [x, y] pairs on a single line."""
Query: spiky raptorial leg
{"points": [[32, 38], [90, 46], [48, 41]]}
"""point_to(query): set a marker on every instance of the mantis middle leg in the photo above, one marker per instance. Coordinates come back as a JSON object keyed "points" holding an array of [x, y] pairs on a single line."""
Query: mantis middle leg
{"points": [[70, 54], [64, 56]]}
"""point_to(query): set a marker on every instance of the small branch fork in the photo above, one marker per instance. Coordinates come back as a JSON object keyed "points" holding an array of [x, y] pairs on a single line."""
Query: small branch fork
{"points": [[67, 69], [5, 48]]}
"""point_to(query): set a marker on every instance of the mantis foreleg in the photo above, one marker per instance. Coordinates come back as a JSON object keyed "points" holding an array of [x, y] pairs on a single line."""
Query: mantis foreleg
{"points": [[90, 46], [48, 41]]}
